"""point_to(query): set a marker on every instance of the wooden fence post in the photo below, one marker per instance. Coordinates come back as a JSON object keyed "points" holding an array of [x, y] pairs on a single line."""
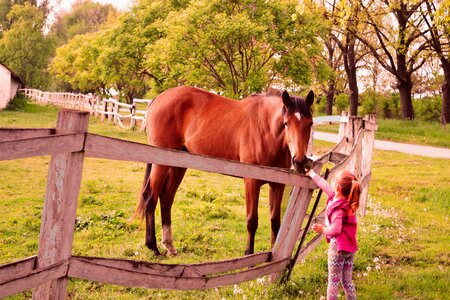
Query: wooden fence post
{"points": [[370, 125], [343, 126], [60, 204], [292, 225]]}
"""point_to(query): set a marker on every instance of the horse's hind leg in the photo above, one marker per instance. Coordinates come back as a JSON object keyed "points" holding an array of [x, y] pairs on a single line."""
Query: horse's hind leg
{"points": [[174, 178], [156, 181]]}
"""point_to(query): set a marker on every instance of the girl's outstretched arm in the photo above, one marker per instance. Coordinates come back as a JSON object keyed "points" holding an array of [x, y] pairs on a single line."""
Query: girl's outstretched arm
{"points": [[322, 183]]}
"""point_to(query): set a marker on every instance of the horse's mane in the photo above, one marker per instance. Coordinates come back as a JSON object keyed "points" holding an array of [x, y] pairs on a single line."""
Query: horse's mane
{"points": [[299, 103]]}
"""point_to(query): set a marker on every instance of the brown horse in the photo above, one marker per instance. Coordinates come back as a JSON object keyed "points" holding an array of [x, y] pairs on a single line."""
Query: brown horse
{"points": [[269, 130]]}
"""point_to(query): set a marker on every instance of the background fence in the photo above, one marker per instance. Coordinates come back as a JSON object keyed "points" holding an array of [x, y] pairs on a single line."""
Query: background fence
{"points": [[109, 109], [69, 143]]}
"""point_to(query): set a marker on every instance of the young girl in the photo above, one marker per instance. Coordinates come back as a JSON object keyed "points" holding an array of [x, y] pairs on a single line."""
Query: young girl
{"points": [[340, 229]]}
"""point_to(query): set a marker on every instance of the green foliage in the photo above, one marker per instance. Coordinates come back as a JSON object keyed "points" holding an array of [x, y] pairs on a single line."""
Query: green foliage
{"points": [[85, 17], [380, 104], [342, 103], [428, 109], [75, 64], [238, 50], [24, 48], [18, 103]]}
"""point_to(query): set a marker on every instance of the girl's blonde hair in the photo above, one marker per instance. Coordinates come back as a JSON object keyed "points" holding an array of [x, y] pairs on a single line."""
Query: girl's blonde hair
{"points": [[350, 188]]}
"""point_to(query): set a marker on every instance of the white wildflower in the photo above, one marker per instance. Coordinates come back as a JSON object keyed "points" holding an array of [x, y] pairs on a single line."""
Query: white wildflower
{"points": [[365, 274], [377, 267], [322, 298], [369, 268], [376, 259], [261, 280], [136, 253], [301, 292]]}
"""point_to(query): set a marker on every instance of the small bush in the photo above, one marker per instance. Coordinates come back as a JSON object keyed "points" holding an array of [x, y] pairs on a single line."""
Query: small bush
{"points": [[428, 109], [390, 107], [17, 103], [342, 103]]}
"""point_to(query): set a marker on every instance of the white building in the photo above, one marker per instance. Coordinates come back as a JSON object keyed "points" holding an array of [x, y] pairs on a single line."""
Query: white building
{"points": [[9, 84]]}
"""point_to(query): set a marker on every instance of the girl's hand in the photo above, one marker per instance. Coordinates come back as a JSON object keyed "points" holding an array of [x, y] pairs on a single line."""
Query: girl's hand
{"points": [[318, 228], [310, 173]]}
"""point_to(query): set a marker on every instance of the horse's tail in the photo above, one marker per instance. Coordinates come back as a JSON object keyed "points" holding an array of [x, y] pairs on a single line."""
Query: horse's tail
{"points": [[145, 195]]}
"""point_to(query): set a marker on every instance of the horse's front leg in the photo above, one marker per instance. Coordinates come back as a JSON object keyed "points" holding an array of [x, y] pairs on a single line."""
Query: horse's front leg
{"points": [[275, 197], [167, 196], [252, 188]]}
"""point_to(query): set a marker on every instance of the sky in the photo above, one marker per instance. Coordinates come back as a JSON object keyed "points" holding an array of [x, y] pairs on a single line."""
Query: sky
{"points": [[66, 4]]}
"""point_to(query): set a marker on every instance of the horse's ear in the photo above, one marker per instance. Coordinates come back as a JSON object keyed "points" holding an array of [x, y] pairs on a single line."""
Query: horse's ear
{"points": [[310, 98], [286, 99]]}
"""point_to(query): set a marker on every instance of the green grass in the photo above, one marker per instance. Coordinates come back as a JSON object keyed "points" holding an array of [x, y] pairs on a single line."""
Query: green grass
{"points": [[404, 239], [414, 132]]}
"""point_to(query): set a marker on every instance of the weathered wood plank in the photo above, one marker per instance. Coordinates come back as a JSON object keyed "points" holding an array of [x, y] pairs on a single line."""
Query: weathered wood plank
{"points": [[17, 269], [11, 134], [195, 270], [60, 205], [32, 279], [94, 272], [38, 146], [292, 224], [110, 148]]}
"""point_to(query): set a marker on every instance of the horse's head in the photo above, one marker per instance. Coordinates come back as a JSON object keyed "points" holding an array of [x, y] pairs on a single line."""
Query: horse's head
{"points": [[297, 120]]}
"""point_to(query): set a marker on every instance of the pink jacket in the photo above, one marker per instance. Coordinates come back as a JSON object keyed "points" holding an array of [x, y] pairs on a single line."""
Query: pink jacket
{"points": [[338, 223]]}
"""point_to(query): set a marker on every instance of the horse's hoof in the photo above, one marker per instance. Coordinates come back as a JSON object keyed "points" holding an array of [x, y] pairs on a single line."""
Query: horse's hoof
{"points": [[154, 249], [172, 253]]}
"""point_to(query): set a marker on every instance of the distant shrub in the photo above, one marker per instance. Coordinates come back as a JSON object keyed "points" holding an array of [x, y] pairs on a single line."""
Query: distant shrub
{"points": [[320, 105], [369, 101], [342, 103], [17, 103], [390, 107], [428, 109]]}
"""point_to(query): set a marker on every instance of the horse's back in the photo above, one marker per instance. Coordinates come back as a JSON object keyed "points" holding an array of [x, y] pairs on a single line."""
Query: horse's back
{"points": [[180, 115]]}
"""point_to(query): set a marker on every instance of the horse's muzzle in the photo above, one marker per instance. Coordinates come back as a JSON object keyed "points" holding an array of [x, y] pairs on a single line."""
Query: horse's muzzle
{"points": [[302, 166]]}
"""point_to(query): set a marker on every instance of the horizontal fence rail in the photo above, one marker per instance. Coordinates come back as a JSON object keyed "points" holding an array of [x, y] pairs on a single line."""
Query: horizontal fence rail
{"points": [[70, 142]]}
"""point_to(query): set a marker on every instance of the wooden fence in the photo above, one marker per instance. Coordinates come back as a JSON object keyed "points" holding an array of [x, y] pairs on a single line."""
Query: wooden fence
{"points": [[109, 109], [69, 143]]}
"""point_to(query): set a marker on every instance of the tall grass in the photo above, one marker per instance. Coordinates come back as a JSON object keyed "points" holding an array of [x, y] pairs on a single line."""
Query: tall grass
{"points": [[404, 239]]}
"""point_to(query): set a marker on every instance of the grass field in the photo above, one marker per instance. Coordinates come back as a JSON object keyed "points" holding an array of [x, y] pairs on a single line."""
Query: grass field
{"points": [[404, 239]]}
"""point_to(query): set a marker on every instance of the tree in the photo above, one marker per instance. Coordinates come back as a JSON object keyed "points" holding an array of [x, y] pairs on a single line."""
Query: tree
{"points": [[345, 19], [437, 20], [24, 48], [75, 64], [397, 25], [6, 6], [85, 16], [237, 47]]}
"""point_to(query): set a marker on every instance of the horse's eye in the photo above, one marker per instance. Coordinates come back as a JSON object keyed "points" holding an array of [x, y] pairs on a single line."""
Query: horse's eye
{"points": [[285, 123]]}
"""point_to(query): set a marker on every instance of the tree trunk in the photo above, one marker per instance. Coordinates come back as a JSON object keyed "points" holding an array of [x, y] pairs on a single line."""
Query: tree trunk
{"points": [[405, 89], [330, 97], [445, 117], [350, 70]]}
